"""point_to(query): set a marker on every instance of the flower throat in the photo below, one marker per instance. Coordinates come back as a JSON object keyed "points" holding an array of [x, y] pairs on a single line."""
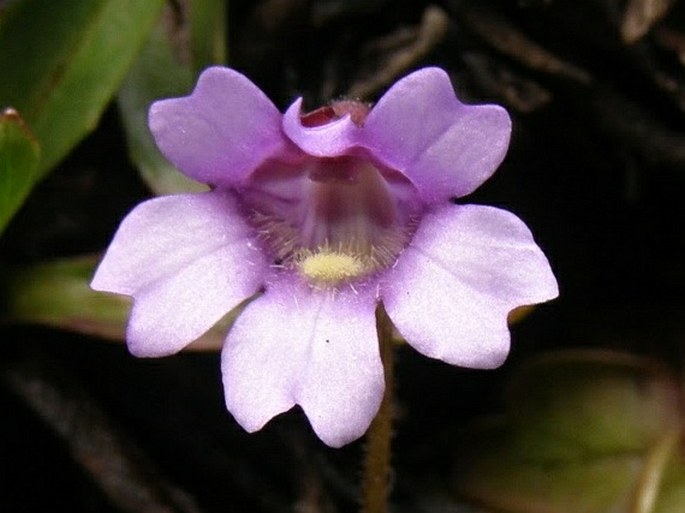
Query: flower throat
{"points": [[334, 220], [337, 220]]}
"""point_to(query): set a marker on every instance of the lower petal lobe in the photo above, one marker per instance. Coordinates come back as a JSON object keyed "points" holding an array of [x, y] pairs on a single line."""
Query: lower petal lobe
{"points": [[315, 348]]}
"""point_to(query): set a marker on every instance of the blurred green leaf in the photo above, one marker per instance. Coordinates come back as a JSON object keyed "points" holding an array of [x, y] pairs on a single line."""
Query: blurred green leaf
{"points": [[592, 403], [671, 498], [62, 62], [58, 294], [19, 156], [208, 33], [585, 432], [157, 73], [504, 478]]}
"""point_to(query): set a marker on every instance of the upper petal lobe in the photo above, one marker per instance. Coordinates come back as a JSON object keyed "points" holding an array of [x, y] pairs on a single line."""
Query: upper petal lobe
{"points": [[445, 147], [420, 128], [452, 288], [186, 260], [221, 132], [315, 348]]}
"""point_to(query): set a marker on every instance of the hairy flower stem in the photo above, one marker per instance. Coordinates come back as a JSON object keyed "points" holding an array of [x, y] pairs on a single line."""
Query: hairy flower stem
{"points": [[376, 478]]}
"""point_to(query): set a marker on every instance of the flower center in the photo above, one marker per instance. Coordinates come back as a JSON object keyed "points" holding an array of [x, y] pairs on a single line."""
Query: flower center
{"points": [[332, 220]]}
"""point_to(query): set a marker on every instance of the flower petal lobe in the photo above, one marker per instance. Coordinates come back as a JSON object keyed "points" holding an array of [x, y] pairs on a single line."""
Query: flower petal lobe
{"points": [[315, 348], [222, 131], [466, 268], [187, 260], [330, 140], [447, 148]]}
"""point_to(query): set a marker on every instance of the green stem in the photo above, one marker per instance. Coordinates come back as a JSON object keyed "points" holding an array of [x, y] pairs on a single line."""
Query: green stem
{"points": [[375, 484]]}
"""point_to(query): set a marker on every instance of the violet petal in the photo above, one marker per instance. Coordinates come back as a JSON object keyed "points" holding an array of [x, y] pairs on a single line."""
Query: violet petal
{"points": [[316, 348], [187, 260], [329, 140], [420, 128], [220, 133], [445, 147], [452, 288]]}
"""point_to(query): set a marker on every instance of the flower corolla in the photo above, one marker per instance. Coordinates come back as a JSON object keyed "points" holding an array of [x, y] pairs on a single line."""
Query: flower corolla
{"points": [[321, 217]]}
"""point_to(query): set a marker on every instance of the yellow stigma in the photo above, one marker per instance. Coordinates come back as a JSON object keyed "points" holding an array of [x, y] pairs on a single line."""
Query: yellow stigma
{"points": [[326, 267]]}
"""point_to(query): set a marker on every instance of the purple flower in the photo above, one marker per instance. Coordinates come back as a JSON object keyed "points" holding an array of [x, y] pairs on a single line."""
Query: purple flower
{"points": [[326, 214]]}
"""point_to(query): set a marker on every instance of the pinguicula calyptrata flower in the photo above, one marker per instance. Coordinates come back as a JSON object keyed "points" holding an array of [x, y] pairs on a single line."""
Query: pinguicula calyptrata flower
{"points": [[326, 215]]}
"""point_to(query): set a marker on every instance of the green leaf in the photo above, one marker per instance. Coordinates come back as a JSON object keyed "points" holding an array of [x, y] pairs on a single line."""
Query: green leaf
{"points": [[19, 156], [62, 62], [157, 73], [58, 294], [208, 33], [592, 403], [671, 498], [585, 431], [503, 478]]}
